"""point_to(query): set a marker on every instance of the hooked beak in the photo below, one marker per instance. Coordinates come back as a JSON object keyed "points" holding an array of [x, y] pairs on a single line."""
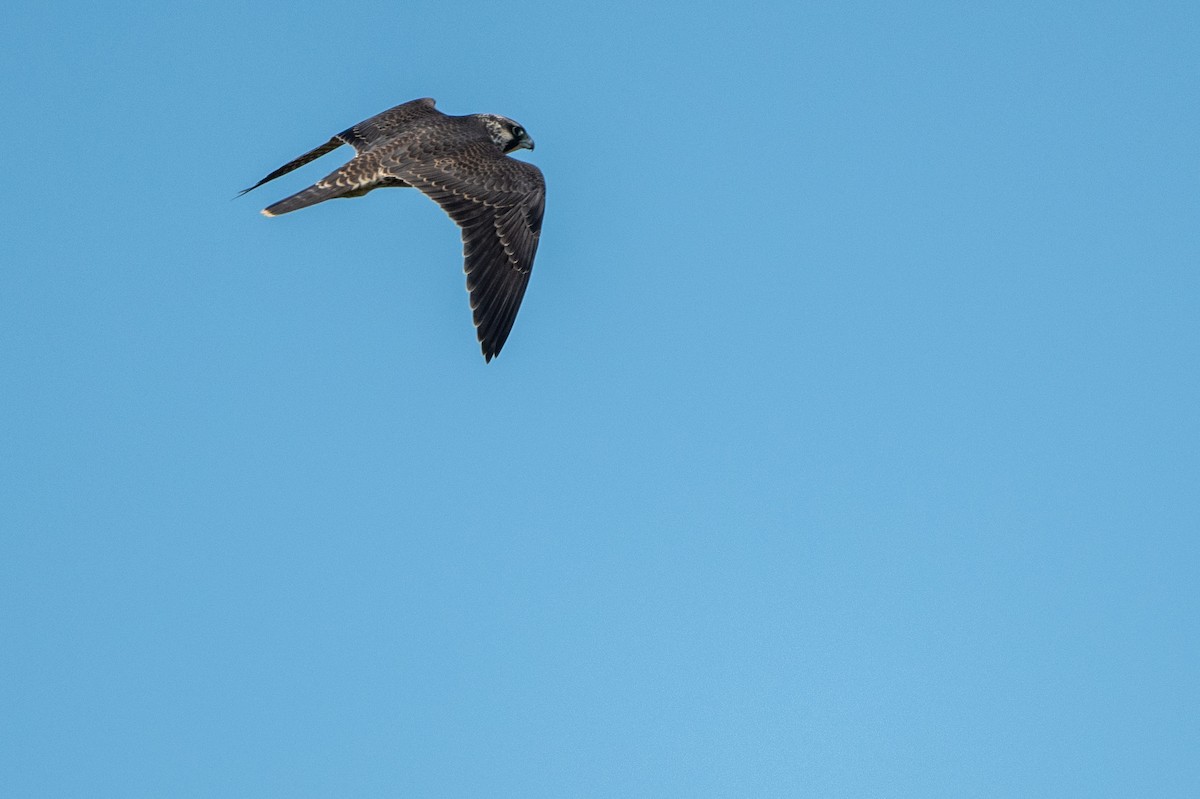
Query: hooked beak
{"points": [[525, 142]]}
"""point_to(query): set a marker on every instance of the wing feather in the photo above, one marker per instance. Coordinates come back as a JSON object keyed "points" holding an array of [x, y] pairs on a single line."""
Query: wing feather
{"points": [[389, 125], [498, 202], [383, 127], [296, 163]]}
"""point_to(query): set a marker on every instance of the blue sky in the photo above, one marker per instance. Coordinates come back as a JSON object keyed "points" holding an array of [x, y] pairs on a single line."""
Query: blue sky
{"points": [[845, 445]]}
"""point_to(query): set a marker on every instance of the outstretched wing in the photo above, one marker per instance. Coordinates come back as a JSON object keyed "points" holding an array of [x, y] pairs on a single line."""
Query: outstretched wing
{"points": [[498, 202], [308, 157], [389, 125], [383, 127]]}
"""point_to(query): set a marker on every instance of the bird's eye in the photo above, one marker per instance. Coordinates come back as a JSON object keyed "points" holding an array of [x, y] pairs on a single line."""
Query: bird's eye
{"points": [[518, 131]]}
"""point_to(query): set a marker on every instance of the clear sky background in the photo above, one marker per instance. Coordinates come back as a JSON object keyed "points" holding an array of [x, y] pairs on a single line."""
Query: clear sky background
{"points": [[846, 444]]}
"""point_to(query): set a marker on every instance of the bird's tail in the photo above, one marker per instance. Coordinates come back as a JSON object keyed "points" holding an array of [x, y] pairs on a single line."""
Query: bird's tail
{"points": [[311, 196]]}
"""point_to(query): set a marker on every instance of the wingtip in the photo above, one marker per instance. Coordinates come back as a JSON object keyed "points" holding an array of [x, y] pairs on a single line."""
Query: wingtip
{"points": [[265, 212]]}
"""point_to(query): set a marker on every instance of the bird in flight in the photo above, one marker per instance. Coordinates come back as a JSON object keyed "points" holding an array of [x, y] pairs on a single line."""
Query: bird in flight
{"points": [[462, 164]]}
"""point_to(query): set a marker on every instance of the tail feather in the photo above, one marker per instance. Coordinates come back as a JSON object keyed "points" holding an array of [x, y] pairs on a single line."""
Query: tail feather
{"points": [[302, 199]]}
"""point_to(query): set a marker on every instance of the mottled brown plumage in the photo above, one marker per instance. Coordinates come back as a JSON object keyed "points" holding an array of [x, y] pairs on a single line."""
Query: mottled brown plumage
{"points": [[460, 162]]}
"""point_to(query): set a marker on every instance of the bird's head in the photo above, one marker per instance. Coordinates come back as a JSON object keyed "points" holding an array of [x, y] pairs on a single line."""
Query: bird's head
{"points": [[507, 135]]}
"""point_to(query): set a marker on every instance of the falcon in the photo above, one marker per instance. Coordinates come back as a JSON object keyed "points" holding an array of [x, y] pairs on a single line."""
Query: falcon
{"points": [[462, 164]]}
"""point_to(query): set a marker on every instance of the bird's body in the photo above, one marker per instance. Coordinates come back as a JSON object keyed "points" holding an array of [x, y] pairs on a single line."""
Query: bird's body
{"points": [[460, 162]]}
